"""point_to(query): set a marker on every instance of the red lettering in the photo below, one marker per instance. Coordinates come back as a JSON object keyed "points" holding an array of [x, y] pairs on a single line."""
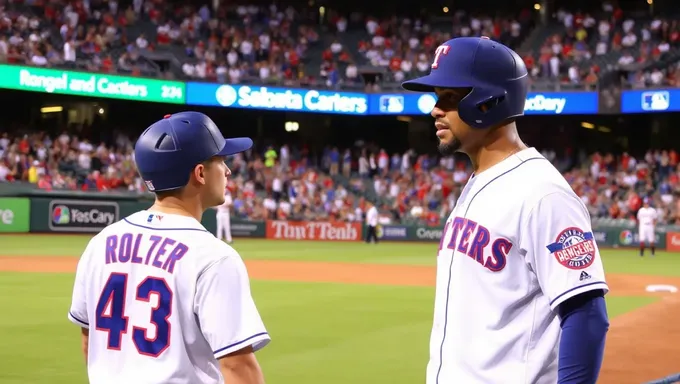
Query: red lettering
{"points": [[465, 236], [493, 259], [311, 230]]}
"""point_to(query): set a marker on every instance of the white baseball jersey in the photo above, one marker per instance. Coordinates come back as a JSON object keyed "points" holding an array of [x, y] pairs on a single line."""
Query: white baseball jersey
{"points": [[517, 244], [224, 219], [372, 216], [646, 217], [163, 300]]}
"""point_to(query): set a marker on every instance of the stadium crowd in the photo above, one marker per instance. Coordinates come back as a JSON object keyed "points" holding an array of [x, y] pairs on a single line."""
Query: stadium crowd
{"points": [[292, 183], [240, 43], [571, 55], [246, 43]]}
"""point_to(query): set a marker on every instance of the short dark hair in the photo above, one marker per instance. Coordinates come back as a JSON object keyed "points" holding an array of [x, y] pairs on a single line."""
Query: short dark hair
{"points": [[173, 192]]}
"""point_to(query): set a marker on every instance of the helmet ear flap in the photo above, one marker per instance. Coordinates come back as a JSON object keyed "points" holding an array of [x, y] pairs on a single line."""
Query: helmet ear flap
{"points": [[483, 107]]}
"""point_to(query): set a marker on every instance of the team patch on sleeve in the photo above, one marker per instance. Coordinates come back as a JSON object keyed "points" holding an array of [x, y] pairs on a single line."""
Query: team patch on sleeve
{"points": [[574, 248]]}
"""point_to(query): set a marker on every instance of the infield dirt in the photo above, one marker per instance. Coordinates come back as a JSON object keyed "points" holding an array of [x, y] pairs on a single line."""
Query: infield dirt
{"points": [[642, 345]]}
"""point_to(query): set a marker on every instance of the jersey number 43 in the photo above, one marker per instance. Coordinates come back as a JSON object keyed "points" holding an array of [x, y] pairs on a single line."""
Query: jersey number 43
{"points": [[110, 315]]}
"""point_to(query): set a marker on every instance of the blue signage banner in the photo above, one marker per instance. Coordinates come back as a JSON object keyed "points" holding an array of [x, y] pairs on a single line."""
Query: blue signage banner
{"points": [[401, 103], [658, 100], [392, 232], [561, 103], [276, 99], [354, 103], [547, 103]]}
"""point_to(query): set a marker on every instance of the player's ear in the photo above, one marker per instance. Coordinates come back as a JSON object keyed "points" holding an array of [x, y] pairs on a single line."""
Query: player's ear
{"points": [[199, 173]]}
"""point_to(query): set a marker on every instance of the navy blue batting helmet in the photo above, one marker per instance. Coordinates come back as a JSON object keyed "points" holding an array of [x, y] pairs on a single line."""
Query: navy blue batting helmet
{"points": [[170, 148], [495, 73]]}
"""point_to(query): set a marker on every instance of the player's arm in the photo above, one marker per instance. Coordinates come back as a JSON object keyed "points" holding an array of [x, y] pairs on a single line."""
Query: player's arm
{"points": [[241, 367], [229, 319], [584, 325], [77, 313], [85, 341], [559, 245]]}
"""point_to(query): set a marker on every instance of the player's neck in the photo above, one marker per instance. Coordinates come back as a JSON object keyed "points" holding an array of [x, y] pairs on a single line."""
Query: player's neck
{"points": [[174, 206], [501, 144]]}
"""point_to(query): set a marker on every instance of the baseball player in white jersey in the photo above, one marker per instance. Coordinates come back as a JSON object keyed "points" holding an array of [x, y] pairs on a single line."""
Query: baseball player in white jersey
{"points": [[223, 218], [520, 284], [159, 298], [646, 217]]}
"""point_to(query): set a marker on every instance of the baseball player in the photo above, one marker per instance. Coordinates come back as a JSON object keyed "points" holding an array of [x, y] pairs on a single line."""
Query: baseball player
{"points": [[371, 223], [646, 217], [158, 297], [520, 284], [223, 219]]}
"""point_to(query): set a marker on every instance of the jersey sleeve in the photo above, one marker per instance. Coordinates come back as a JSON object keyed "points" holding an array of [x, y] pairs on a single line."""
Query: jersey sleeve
{"points": [[78, 311], [226, 312], [560, 248]]}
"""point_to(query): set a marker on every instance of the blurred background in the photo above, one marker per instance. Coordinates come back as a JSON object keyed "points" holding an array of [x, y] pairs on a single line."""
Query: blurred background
{"points": [[316, 85]]}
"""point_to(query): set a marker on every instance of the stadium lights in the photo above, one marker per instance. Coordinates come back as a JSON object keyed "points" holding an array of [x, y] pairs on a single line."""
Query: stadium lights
{"points": [[604, 129], [51, 109], [445, 9], [537, 6], [292, 126], [588, 125]]}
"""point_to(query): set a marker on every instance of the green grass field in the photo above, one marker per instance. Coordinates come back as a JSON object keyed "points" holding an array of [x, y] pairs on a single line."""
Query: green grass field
{"points": [[322, 333]]}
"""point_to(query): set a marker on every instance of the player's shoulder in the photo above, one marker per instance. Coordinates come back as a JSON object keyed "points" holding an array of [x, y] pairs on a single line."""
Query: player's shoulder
{"points": [[98, 241], [214, 253], [213, 250], [539, 179], [204, 247]]}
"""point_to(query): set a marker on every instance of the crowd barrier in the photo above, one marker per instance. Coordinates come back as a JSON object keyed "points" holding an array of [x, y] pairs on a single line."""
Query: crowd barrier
{"points": [[31, 211]]}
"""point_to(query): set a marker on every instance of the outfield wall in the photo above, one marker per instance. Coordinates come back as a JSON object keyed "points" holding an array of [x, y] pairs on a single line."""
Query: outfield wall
{"points": [[31, 211]]}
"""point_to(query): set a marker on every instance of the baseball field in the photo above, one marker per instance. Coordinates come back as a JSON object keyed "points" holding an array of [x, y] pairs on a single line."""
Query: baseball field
{"points": [[337, 312]]}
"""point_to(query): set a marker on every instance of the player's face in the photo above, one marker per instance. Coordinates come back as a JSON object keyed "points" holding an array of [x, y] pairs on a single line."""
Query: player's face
{"points": [[215, 174], [453, 134]]}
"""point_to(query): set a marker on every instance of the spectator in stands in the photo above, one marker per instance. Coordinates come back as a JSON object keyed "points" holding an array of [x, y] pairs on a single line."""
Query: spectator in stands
{"points": [[423, 192], [275, 45]]}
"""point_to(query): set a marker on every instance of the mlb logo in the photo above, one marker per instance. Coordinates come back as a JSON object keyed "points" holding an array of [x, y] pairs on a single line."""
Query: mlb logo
{"points": [[656, 101], [391, 104], [149, 185]]}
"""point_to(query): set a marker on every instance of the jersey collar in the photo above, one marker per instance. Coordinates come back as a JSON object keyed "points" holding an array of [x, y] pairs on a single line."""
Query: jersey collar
{"points": [[506, 165]]}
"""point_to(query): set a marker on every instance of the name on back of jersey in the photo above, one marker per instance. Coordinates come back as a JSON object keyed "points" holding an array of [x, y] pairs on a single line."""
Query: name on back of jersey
{"points": [[474, 240], [574, 248], [161, 252]]}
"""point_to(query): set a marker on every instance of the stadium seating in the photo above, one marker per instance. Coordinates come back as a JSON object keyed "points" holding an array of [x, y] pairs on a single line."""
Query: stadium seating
{"points": [[577, 49], [288, 46]]}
